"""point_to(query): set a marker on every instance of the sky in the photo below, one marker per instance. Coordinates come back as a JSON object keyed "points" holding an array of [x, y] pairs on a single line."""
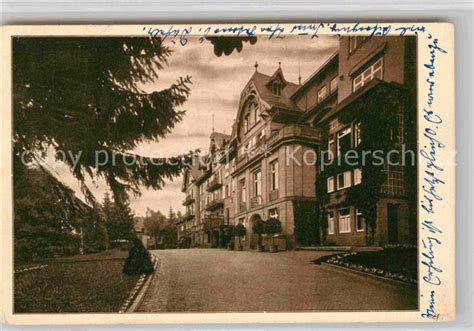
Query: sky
{"points": [[216, 86]]}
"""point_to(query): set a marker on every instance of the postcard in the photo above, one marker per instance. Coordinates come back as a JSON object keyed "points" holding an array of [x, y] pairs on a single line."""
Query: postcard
{"points": [[233, 173]]}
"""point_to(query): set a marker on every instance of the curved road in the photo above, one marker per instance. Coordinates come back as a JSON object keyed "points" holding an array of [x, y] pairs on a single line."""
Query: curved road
{"points": [[205, 280]]}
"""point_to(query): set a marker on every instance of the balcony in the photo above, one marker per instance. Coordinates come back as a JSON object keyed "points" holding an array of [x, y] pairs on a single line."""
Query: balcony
{"points": [[214, 184], [273, 195], [188, 216], [294, 131], [288, 132], [213, 221], [255, 201], [188, 200], [215, 204]]}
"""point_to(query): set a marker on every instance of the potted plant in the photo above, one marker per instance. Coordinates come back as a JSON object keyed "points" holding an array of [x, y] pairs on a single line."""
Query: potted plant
{"points": [[229, 232], [272, 228], [240, 231], [258, 228]]}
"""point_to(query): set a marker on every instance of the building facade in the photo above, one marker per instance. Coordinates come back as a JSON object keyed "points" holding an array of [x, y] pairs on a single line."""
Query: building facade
{"points": [[280, 159]]}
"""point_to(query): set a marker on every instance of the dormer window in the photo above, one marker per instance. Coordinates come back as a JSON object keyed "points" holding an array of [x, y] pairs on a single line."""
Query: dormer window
{"points": [[276, 88]]}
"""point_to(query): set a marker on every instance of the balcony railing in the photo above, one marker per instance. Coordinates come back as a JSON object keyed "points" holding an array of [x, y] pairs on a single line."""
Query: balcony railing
{"points": [[188, 200], [286, 132], [188, 216], [215, 204], [255, 201], [242, 206], [273, 195], [214, 184]]}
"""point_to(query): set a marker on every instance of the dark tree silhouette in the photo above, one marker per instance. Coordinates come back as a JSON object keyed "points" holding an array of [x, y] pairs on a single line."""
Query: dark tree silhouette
{"points": [[138, 261], [83, 96], [226, 45]]}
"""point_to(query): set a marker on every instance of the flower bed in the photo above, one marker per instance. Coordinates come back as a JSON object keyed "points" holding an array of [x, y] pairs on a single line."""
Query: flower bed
{"points": [[394, 262]]}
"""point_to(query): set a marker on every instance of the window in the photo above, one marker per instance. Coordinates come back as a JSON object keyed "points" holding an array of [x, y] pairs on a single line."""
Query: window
{"points": [[227, 190], [373, 71], [322, 93], [257, 183], [247, 122], [259, 138], [226, 170], [333, 85], [357, 176], [343, 141], [331, 146], [343, 180], [273, 213], [243, 191], [333, 125], [344, 220], [276, 88], [253, 110], [356, 41], [359, 221], [274, 175], [330, 184], [352, 44], [357, 138], [330, 222]]}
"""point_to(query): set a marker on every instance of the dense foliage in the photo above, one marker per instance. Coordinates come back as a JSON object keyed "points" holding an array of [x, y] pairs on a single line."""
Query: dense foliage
{"points": [[226, 45], [119, 220], [306, 223], [83, 96], [44, 225], [138, 261], [379, 127], [240, 230], [163, 229]]}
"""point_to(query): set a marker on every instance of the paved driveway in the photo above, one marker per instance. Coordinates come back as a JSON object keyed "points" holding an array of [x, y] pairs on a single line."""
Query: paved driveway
{"points": [[206, 280]]}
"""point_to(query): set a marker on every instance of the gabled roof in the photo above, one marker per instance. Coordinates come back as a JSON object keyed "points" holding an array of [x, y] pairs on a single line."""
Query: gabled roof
{"points": [[193, 172], [262, 82], [259, 86], [219, 139]]}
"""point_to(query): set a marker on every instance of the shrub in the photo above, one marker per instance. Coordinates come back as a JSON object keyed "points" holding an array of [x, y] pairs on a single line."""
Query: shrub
{"points": [[273, 226], [258, 227], [138, 261], [240, 230]]}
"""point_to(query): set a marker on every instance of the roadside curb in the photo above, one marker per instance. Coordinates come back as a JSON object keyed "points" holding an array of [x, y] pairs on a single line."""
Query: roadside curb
{"points": [[399, 282], [30, 268], [138, 293], [340, 248]]}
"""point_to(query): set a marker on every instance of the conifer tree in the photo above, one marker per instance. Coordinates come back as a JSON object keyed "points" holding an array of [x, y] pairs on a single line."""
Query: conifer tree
{"points": [[84, 97]]}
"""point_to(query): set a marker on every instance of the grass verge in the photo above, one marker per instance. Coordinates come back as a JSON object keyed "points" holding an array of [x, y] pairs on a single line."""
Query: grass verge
{"points": [[94, 283]]}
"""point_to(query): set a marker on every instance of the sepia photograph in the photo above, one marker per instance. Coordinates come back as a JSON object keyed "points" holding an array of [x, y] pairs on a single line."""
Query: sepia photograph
{"points": [[220, 174]]}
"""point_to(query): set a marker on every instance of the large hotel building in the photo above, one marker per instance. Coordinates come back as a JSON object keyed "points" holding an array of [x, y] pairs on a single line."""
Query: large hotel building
{"points": [[271, 163]]}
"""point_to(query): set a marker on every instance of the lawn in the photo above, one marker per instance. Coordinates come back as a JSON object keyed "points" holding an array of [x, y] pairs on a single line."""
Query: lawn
{"points": [[89, 283]]}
